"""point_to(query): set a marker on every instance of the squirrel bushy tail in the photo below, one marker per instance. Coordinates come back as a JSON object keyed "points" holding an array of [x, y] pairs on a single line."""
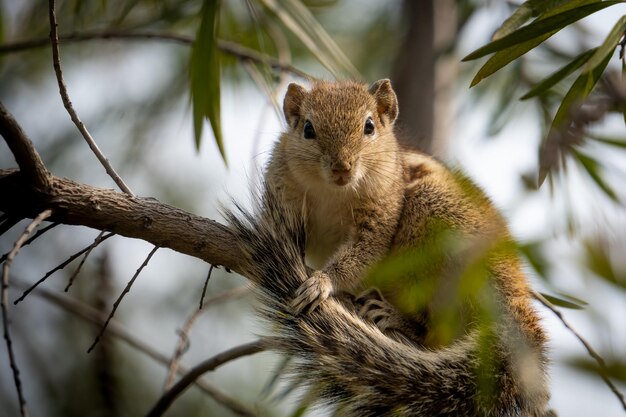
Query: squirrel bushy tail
{"points": [[349, 363]]}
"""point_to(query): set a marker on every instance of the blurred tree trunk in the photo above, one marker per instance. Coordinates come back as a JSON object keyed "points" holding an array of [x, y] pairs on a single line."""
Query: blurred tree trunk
{"points": [[424, 73], [414, 75]]}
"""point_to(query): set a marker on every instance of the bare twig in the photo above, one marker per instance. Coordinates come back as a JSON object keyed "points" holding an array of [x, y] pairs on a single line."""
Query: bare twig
{"points": [[119, 299], [95, 243], [4, 302], [35, 236], [183, 341], [116, 329], [23, 150], [590, 350], [54, 39], [231, 48], [60, 266], [206, 284], [208, 365]]}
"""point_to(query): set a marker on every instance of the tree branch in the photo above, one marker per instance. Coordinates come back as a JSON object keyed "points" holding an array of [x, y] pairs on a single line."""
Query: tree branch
{"points": [[56, 60], [227, 47], [208, 365], [135, 217], [23, 150], [116, 329], [4, 304], [587, 345]]}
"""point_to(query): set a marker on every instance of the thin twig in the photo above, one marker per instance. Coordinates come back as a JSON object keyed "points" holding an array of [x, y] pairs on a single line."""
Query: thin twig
{"points": [[590, 350], [4, 302], [206, 284], [56, 59], [183, 341], [208, 365], [116, 329], [35, 236], [228, 47], [60, 266], [119, 299], [95, 243], [23, 150]]}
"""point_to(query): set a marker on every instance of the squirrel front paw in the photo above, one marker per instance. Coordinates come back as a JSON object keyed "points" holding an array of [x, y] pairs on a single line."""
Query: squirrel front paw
{"points": [[312, 292]]}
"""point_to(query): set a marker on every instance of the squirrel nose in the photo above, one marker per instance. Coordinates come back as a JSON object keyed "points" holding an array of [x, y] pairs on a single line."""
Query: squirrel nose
{"points": [[341, 167]]}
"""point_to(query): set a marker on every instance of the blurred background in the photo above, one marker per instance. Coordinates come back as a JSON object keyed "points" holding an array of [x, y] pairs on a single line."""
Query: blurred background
{"points": [[134, 96]]}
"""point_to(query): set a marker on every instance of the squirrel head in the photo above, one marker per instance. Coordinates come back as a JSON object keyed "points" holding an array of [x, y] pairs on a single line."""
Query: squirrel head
{"points": [[340, 132]]}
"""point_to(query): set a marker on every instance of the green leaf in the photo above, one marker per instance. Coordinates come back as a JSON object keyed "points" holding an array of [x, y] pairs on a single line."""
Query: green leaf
{"points": [[517, 19], [591, 166], [550, 81], [530, 8], [536, 258], [614, 368], [574, 304], [298, 19], [620, 143], [624, 81], [577, 92], [608, 46], [502, 58], [548, 24], [205, 75]]}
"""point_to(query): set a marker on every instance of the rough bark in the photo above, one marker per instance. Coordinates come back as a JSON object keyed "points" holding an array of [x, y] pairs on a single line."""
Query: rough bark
{"points": [[135, 217]]}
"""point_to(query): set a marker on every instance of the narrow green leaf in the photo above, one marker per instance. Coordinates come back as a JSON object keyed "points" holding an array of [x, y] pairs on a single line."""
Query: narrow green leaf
{"points": [[577, 92], [608, 46], [517, 19], [550, 81], [613, 368], [560, 302], [592, 168], [205, 75], [620, 143], [299, 20], [502, 58], [624, 79], [543, 26], [598, 260]]}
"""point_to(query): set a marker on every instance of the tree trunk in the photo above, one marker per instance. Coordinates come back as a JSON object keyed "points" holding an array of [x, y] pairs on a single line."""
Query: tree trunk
{"points": [[414, 75]]}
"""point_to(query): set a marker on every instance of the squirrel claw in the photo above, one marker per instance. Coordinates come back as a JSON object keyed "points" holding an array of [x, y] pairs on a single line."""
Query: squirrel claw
{"points": [[312, 292], [375, 309]]}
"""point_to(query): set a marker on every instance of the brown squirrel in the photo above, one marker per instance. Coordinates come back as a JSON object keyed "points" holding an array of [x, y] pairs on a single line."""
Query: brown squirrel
{"points": [[342, 193]]}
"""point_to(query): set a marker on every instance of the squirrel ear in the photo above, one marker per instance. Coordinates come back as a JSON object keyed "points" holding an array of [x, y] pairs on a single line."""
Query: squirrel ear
{"points": [[386, 99], [291, 105]]}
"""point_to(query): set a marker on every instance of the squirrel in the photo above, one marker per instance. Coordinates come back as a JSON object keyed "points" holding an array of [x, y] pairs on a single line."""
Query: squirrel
{"points": [[342, 196]]}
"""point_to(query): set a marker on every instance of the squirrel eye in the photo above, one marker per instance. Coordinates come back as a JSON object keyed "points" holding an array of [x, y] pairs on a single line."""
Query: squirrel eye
{"points": [[309, 132], [369, 126]]}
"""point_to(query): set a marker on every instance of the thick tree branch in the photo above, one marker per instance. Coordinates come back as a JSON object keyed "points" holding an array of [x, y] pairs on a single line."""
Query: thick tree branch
{"points": [[105, 209]]}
